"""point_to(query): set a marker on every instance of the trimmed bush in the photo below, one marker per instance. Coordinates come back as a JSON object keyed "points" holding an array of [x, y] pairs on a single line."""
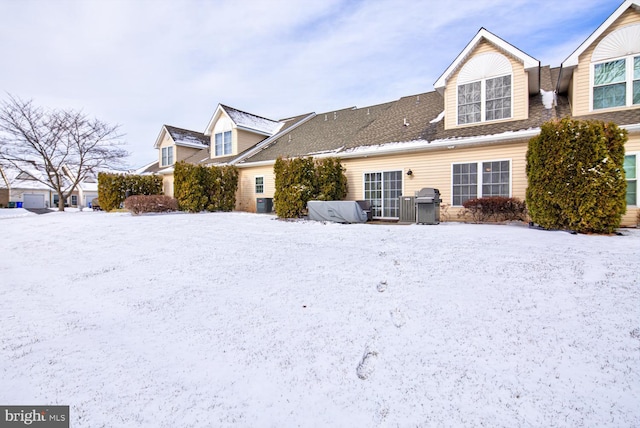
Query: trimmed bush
{"points": [[205, 188], [140, 204], [495, 208], [575, 176], [113, 189]]}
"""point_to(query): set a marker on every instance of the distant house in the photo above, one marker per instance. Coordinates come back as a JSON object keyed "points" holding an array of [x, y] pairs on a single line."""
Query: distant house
{"points": [[23, 186], [467, 138]]}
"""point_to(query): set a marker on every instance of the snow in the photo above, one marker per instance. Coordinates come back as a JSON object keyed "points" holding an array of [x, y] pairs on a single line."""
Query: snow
{"points": [[438, 118], [548, 98], [248, 120], [237, 319]]}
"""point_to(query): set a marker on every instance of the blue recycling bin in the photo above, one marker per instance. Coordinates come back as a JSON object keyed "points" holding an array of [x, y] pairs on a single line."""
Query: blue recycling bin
{"points": [[18, 204]]}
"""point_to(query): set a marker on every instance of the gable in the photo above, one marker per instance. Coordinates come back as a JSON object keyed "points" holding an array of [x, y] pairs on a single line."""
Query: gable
{"points": [[616, 39], [487, 61], [530, 64]]}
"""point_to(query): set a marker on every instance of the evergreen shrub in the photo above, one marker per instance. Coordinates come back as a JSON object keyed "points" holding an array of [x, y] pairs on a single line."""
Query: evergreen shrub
{"points": [[300, 180], [575, 176], [205, 188], [114, 188]]}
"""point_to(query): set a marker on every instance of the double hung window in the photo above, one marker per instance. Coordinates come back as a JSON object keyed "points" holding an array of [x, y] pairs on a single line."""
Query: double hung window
{"points": [[480, 179], [616, 83], [223, 143]]}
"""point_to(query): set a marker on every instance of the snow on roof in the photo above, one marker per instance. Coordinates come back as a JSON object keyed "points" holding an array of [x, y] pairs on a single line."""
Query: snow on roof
{"points": [[438, 118], [24, 178], [417, 145], [251, 121], [185, 137], [548, 98]]}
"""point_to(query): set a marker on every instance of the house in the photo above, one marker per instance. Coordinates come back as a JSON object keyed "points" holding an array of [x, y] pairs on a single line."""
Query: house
{"points": [[468, 137], [21, 184]]}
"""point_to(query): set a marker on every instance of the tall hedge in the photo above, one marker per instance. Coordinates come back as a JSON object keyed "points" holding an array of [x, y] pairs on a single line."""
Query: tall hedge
{"points": [[331, 181], [113, 188], [575, 176], [295, 181], [300, 180], [205, 188]]}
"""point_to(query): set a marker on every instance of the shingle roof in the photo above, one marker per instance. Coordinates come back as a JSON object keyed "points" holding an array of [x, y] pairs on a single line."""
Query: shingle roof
{"points": [[411, 118], [185, 137], [247, 120]]}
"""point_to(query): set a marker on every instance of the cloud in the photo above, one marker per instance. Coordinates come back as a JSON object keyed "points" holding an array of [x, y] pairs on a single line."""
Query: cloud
{"points": [[145, 63]]}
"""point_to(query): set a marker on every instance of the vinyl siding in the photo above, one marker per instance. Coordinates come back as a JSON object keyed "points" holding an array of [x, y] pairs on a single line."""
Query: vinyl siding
{"points": [[167, 185], [580, 86], [520, 90], [243, 140], [632, 146], [433, 169], [246, 196]]}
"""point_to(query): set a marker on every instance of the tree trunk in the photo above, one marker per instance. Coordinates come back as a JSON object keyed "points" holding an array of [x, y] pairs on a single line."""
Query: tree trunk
{"points": [[60, 202]]}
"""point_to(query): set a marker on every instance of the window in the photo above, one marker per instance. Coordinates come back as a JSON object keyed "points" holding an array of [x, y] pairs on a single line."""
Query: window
{"points": [[382, 190], [616, 83], [259, 184], [468, 184], [167, 156], [223, 143], [484, 100], [631, 172]]}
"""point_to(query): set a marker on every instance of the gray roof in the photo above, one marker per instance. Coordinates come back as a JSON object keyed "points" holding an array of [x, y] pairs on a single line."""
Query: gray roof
{"points": [[186, 137]]}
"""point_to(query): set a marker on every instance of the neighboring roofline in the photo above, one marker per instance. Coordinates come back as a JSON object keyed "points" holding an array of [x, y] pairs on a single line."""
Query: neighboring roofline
{"points": [[272, 138], [530, 63], [141, 169], [567, 66]]}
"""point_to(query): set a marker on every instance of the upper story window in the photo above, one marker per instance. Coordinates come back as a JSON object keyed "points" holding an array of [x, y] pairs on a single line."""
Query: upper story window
{"points": [[616, 83], [223, 143], [485, 89], [167, 156], [615, 80]]}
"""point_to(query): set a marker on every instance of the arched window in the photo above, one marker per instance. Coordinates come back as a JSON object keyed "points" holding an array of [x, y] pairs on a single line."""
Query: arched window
{"points": [[485, 89], [615, 69]]}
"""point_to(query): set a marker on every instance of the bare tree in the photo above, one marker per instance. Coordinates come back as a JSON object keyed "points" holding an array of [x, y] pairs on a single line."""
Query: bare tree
{"points": [[65, 146]]}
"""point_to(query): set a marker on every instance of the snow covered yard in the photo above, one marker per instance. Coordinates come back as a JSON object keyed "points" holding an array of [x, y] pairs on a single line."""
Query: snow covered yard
{"points": [[238, 319]]}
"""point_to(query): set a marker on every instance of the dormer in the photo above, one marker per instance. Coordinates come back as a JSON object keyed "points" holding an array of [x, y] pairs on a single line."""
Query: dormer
{"points": [[603, 74], [232, 131], [176, 144], [489, 81]]}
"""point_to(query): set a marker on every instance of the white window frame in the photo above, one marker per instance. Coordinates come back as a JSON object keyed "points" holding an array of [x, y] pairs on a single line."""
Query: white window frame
{"points": [[382, 199], [479, 171], [637, 155], [255, 182], [629, 65], [483, 100], [226, 147], [167, 156]]}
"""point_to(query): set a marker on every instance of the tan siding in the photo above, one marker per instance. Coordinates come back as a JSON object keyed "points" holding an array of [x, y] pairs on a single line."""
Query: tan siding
{"points": [[167, 185], [632, 146], [581, 85], [246, 196], [182, 153], [520, 89], [244, 140], [433, 169]]}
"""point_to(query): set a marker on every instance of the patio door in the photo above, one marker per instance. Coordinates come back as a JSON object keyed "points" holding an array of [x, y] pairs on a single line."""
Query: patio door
{"points": [[382, 189]]}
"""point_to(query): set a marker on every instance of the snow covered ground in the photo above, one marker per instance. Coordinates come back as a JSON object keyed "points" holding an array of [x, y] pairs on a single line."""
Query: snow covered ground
{"points": [[235, 319]]}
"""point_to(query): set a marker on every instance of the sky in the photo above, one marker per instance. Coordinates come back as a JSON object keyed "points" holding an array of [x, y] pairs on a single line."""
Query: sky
{"points": [[142, 64]]}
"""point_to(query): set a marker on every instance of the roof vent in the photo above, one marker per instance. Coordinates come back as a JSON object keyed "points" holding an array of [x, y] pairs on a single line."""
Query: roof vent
{"points": [[405, 122], [335, 115], [325, 117]]}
